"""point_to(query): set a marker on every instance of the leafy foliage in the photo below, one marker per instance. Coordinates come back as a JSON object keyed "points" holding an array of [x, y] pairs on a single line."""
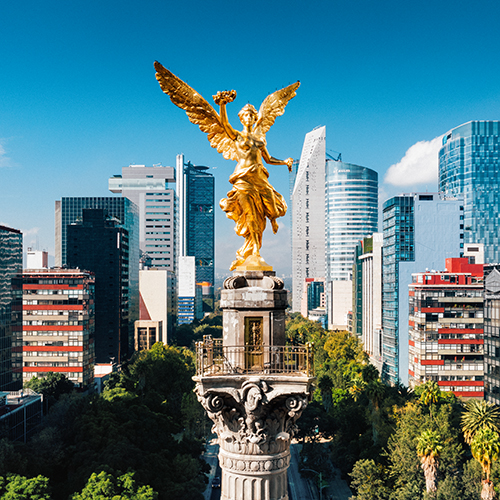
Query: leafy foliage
{"points": [[104, 486], [52, 386], [16, 487], [146, 422]]}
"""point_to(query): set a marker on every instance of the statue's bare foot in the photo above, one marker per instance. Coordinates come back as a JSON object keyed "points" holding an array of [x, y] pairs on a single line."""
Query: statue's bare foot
{"points": [[274, 225]]}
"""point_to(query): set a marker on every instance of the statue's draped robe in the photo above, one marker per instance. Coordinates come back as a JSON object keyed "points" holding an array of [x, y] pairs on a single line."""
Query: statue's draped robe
{"points": [[251, 200]]}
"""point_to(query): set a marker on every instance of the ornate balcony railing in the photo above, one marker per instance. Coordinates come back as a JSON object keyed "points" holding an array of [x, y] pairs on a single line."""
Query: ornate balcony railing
{"points": [[214, 358]]}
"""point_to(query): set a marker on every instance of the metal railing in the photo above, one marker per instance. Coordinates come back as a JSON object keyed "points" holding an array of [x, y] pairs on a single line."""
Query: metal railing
{"points": [[214, 358]]}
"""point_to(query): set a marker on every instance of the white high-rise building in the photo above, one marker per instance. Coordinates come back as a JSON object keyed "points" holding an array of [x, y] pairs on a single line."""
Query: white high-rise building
{"points": [[152, 189], [37, 259], [334, 205], [308, 215]]}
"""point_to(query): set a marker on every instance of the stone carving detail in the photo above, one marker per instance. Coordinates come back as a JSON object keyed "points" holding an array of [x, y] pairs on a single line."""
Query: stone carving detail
{"points": [[254, 419], [268, 282], [254, 465], [234, 282]]}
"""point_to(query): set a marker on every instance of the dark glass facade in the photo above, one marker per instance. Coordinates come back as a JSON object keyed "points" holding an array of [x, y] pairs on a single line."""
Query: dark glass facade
{"points": [[200, 221], [11, 264], [126, 215], [100, 245], [469, 165]]}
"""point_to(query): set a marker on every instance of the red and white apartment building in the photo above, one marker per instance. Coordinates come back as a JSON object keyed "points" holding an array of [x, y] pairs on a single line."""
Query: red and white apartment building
{"points": [[446, 332], [58, 325]]}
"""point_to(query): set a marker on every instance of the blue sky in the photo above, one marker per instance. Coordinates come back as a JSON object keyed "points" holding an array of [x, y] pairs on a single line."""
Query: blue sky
{"points": [[79, 100]]}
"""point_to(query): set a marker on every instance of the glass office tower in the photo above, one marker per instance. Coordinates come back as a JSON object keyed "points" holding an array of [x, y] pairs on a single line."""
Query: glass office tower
{"points": [[11, 268], [100, 245], [126, 215], [421, 230], [351, 210], [469, 165], [196, 191]]}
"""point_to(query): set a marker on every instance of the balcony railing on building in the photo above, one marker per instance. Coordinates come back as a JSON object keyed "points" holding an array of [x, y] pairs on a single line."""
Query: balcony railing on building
{"points": [[214, 358]]}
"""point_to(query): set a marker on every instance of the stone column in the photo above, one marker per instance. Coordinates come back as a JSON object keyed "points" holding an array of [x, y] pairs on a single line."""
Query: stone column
{"points": [[254, 418], [253, 387]]}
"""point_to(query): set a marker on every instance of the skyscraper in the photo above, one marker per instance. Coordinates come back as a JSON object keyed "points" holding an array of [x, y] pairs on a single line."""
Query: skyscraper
{"points": [[351, 213], [11, 267], [152, 190], [196, 192], [420, 231], [126, 215], [100, 245], [334, 205], [469, 165], [308, 215], [367, 296]]}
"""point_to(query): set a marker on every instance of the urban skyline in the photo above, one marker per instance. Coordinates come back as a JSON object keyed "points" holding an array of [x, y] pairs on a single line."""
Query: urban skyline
{"points": [[83, 120]]}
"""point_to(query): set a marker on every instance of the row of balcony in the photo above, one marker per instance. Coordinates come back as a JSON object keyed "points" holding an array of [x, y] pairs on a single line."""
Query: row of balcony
{"points": [[214, 358]]}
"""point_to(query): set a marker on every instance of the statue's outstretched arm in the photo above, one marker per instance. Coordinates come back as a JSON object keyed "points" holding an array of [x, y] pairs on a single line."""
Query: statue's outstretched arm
{"points": [[222, 98], [270, 160]]}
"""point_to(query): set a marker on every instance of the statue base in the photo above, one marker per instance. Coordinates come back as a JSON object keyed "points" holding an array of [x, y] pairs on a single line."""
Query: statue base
{"points": [[254, 263]]}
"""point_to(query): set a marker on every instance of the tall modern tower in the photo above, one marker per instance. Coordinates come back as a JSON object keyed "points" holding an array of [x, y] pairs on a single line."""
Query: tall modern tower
{"points": [[351, 213], [469, 165], [152, 189], [421, 230], [11, 268], [126, 215], [196, 193], [308, 215], [100, 245]]}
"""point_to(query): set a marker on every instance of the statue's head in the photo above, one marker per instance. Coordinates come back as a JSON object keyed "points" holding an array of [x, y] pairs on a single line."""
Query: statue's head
{"points": [[248, 114]]}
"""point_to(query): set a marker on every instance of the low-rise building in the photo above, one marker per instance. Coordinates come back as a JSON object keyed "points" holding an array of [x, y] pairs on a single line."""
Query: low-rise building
{"points": [[20, 413], [446, 338], [58, 325]]}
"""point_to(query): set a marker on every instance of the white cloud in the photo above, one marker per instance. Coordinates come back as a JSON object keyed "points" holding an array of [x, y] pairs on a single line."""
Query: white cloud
{"points": [[4, 159], [418, 166]]}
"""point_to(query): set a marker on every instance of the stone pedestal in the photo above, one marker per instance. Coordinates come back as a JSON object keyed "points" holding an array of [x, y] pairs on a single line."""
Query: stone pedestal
{"points": [[253, 387], [254, 418]]}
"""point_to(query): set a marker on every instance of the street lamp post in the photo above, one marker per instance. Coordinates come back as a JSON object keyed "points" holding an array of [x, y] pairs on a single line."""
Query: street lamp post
{"points": [[320, 481]]}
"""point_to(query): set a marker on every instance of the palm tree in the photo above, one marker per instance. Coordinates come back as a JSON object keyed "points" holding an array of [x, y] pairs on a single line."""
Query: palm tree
{"points": [[485, 447], [431, 393], [356, 386], [479, 414], [375, 390], [429, 447]]}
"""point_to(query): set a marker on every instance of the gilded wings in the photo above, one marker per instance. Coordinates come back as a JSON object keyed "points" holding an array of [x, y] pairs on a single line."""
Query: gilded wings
{"points": [[201, 113], [274, 106]]}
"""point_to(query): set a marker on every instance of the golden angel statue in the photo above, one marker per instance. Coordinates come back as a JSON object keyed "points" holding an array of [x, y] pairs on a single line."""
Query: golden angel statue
{"points": [[252, 199]]}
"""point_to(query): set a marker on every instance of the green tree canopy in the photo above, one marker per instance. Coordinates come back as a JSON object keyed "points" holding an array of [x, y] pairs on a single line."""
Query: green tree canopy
{"points": [[52, 386], [104, 486], [15, 487]]}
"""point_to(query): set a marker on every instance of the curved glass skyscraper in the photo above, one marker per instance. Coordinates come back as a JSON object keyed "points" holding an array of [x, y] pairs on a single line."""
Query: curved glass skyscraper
{"points": [[469, 165], [351, 213]]}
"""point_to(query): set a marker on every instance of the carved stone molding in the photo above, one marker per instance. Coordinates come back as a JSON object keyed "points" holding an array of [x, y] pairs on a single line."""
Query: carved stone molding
{"points": [[254, 465], [255, 417]]}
